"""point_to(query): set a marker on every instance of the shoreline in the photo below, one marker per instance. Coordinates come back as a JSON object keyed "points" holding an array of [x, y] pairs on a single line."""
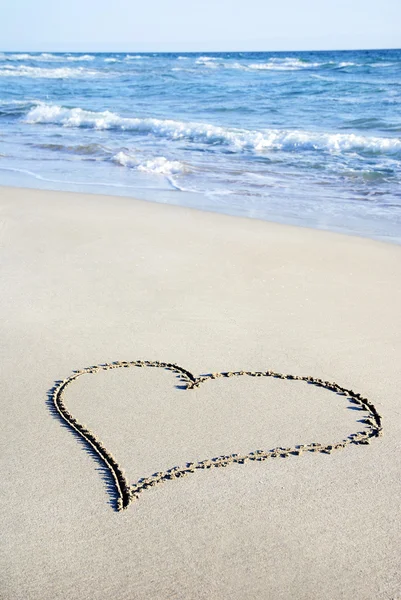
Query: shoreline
{"points": [[93, 279], [391, 240], [266, 157]]}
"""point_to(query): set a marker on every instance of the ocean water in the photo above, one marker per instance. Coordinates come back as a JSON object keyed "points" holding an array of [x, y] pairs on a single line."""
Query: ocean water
{"points": [[307, 138]]}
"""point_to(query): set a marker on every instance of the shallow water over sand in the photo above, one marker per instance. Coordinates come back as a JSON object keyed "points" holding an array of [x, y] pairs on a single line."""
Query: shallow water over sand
{"points": [[311, 138]]}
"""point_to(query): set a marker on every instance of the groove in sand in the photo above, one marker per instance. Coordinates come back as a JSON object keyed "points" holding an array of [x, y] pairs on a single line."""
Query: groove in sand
{"points": [[127, 493]]}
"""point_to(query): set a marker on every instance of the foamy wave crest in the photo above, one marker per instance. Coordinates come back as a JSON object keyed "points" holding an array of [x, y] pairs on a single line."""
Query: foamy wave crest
{"points": [[274, 64], [343, 65], [237, 139], [17, 56], [42, 72], [135, 57], [44, 57], [382, 64], [283, 64], [159, 165], [208, 61], [111, 60], [84, 57]]}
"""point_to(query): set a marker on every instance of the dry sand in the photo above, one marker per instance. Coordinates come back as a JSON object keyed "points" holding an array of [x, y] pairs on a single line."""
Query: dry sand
{"points": [[90, 279]]}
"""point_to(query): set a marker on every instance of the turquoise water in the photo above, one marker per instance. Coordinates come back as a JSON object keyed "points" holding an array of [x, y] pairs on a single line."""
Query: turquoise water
{"points": [[309, 138]]}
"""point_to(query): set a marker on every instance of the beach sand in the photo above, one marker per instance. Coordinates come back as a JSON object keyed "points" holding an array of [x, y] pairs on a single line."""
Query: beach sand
{"points": [[91, 279]]}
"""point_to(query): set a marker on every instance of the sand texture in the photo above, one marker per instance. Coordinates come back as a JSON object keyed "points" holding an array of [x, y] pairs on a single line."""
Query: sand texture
{"points": [[236, 483]]}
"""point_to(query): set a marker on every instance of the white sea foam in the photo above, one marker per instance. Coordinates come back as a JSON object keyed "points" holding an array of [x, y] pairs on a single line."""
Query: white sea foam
{"points": [[184, 69], [43, 72], [44, 57], [382, 64], [84, 57], [111, 60], [135, 57], [158, 165], [284, 64], [348, 64], [274, 64], [207, 61], [236, 139], [18, 57]]}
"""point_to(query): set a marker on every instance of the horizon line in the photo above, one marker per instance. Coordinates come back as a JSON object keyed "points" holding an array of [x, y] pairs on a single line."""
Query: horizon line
{"points": [[196, 51]]}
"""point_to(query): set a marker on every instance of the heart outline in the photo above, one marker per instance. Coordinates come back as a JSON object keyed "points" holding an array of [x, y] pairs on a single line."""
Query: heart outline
{"points": [[127, 493]]}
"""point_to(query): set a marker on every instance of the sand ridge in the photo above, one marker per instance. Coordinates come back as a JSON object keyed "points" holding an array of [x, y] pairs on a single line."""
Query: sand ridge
{"points": [[126, 493]]}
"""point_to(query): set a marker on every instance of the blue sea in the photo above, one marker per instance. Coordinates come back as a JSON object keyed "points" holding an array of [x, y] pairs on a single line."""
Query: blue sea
{"points": [[306, 138]]}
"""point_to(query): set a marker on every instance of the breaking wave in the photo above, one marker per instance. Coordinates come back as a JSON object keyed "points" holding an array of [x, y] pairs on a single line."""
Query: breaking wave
{"points": [[158, 165], [84, 57], [23, 56], [46, 73], [236, 139], [46, 57], [283, 64], [274, 64], [135, 57], [208, 61]]}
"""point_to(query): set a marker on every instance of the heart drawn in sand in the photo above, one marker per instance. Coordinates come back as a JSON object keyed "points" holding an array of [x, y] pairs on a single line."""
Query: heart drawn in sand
{"points": [[127, 493]]}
